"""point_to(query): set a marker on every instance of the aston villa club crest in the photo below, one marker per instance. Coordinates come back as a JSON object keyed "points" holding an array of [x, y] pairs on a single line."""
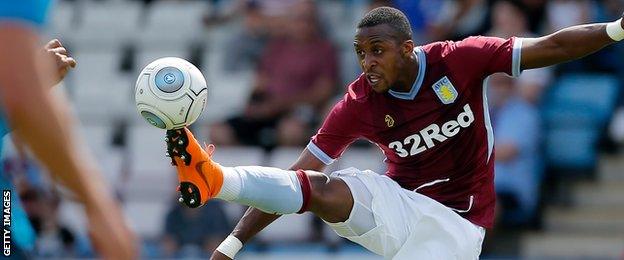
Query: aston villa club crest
{"points": [[445, 90]]}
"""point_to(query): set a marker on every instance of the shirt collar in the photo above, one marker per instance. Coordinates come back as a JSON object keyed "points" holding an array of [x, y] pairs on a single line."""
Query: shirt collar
{"points": [[422, 65]]}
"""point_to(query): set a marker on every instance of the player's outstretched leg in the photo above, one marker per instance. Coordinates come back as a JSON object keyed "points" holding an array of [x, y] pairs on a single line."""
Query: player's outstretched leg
{"points": [[271, 190]]}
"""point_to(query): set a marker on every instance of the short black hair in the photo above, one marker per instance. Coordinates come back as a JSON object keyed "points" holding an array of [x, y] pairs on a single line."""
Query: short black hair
{"points": [[390, 16]]}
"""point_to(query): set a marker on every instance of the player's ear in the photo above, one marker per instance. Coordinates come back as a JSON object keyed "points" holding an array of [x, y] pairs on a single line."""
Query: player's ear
{"points": [[407, 47]]}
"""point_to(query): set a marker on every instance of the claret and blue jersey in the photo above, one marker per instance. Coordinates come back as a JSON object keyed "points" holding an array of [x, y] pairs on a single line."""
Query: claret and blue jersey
{"points": [[437, 138]]}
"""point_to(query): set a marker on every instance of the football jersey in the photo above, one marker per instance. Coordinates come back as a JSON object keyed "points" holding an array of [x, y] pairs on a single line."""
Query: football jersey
{"points": [[437, 138]]}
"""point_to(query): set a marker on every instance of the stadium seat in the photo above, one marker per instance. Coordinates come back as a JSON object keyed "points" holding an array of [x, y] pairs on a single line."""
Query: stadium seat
{"points": [[62, 22], [146, 218], [340, 18], [227, 94], [284, 157], [71, 215], [97, 89], [110, 159], [218, 37], [570, 115], [349, 69], [288, 228], [151, 174], [146, 56], [173, 23], [239, 156], [593, 92], [233, 212], [576, 111], [571, 148], [105, 24]]}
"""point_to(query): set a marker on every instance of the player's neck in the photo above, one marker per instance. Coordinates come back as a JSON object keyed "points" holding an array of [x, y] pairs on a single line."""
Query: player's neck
{"points": [[407, 80]]}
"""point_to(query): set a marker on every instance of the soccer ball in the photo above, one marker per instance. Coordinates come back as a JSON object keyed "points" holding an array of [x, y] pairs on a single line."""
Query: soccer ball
{"points": [[170, 93]]}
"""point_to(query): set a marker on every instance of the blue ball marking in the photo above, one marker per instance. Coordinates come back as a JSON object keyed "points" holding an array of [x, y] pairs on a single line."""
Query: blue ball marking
{"points": [[153, 119], [169, 79]]}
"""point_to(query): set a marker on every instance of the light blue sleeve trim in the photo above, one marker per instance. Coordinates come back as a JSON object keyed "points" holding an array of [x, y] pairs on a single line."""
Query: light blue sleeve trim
{"points": [[516, 57], [32, 12], [319, 153]]}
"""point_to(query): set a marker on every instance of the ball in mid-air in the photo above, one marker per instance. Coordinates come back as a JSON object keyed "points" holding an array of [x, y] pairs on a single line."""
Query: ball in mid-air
{"points": [[170, 93]]}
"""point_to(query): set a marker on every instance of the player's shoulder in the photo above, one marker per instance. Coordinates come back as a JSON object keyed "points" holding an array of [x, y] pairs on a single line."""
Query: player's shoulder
{"points": [[444, 50], [33, 12], [440, 50]]}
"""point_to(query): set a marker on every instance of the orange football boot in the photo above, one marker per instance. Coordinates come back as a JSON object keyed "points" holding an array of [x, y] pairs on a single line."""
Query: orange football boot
{"points": [[200, 177]]}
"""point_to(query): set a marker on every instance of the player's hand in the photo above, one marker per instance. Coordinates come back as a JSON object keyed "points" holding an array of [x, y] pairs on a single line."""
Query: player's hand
{"points": [[110, 236], [216, 255], [55, 50]]}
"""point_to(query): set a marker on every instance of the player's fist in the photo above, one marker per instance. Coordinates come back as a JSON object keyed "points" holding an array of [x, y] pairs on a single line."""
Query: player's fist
{"points": [[55, 50]]}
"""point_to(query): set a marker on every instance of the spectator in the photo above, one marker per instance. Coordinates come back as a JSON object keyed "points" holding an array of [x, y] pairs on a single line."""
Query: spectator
{"points": [[509, 19], [458, 19], [21, 168], [296, 76], [245, 49], [535, 11], [422, 14], [565, 13], [194, 232], [516, 124], [53, 239]]}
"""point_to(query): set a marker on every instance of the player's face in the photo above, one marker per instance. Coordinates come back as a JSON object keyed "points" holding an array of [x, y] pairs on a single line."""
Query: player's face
{"points": [[380, 56]]}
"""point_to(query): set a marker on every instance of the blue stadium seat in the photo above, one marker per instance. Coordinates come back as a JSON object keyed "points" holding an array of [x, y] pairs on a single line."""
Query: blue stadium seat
{"points": [[576, 110], [299, 248], [571, 148], [595, 93], [565, 115]]}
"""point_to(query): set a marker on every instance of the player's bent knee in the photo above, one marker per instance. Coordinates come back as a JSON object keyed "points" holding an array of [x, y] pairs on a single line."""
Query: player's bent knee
{"points": [[329, 197]]}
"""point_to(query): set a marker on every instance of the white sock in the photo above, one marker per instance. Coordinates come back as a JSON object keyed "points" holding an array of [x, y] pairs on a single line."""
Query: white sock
{"points": [[232, 184], [271, 190]]}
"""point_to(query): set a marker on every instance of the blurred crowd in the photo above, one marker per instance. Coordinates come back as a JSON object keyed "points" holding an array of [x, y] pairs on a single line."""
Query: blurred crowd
{"points": [[298, 74]]}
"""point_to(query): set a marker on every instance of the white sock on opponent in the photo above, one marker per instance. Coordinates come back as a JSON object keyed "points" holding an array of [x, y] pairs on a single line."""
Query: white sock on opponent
{"points": [[271, 190]]}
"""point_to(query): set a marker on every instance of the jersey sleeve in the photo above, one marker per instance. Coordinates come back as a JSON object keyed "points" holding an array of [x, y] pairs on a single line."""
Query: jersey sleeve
{"points": [[335, 135], [31, 12], [491, 54]]}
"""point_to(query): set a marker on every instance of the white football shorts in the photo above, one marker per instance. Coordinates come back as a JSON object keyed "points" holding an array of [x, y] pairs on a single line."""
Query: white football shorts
{"points": [[402, 224]]}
